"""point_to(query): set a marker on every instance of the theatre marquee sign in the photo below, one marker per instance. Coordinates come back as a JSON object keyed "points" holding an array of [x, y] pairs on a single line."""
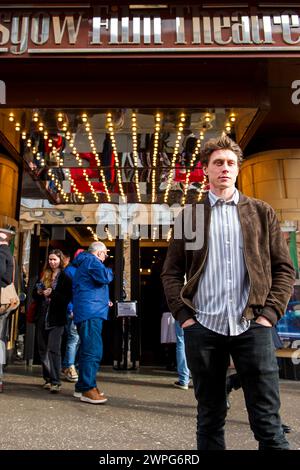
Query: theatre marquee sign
{"points": [[118, 30]]}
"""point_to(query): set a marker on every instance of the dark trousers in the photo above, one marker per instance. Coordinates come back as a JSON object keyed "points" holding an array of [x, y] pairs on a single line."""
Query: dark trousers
{"points": [[49, 343], [252, 352]]}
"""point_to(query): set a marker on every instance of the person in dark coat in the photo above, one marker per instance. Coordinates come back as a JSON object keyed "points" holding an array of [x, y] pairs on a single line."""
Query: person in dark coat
{"points": [[52, 294], [6, 277]]}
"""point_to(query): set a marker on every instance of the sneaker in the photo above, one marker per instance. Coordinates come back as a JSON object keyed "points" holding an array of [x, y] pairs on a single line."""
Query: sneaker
{"points": [[71, 374], [93, 396], [55, 388], [46, 385], [286, 429], [181, 386], [79, 394]]}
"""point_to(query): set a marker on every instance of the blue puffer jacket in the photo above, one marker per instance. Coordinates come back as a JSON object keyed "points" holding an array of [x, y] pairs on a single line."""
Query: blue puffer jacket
{"points": [[90, 288]]}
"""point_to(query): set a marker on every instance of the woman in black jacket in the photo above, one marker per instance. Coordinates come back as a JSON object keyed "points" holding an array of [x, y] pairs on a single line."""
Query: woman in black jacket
{"points": [[52, 293]]}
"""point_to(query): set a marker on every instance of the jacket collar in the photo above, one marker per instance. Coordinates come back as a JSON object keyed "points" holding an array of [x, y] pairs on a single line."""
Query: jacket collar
{"points": [[242, 199]]}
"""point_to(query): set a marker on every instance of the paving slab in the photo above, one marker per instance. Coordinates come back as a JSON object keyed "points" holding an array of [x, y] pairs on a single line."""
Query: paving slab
{"points": [[144, 411]]}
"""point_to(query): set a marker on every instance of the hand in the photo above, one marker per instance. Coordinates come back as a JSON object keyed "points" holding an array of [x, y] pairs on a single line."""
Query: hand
{"points": [[188, 322], [263, 321], [110, 303], [47, 292]]}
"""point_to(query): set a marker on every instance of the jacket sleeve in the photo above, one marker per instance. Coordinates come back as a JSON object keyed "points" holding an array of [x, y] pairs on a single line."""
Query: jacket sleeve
{"points": [[100, 273], [6, 269], [283, 273], [173, 279]]}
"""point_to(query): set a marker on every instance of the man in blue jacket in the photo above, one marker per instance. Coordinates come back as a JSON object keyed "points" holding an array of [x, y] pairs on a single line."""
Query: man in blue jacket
{"points": [[90, 308]]}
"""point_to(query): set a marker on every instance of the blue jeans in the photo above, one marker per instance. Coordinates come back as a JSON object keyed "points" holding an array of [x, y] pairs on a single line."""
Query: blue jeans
{"points": [[182, 368], [72, 344], [254, 359], [91, 349]]}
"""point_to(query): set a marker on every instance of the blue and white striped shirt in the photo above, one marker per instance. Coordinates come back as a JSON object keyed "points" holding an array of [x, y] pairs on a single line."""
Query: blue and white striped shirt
{"points": [[224, 286]]}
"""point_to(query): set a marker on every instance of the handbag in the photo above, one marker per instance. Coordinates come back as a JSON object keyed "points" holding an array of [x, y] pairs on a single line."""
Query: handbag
{"points": [[9, 298]]}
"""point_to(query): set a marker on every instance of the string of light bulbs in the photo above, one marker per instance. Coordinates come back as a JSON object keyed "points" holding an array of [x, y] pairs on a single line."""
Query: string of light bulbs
{"points": [[90, 185], [95, 236], [188, 171], [58, 184], [109, 125], [135, 154], [175, 153], [73, 185], [155, 152], [92, 144]]}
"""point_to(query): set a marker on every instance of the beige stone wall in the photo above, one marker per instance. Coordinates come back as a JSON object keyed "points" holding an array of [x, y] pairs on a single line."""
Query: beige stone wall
{"points": [[274, 176], [9, 177], [8, 128]]}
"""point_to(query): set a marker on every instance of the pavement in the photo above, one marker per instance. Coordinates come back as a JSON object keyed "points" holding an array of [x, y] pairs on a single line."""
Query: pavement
{"points": [[144, 411]]}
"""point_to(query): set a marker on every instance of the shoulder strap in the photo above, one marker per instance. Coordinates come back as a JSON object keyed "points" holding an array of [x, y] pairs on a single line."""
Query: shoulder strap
{"points": [[14, 267]]}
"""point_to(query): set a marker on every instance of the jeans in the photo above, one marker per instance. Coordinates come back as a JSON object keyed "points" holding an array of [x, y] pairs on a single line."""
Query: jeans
{"points": [[72, 344], [182, 368], [253, 355], [91, 349]]}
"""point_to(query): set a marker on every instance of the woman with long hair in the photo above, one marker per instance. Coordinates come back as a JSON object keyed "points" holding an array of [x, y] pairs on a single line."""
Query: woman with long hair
{"points": [[53, 293]]}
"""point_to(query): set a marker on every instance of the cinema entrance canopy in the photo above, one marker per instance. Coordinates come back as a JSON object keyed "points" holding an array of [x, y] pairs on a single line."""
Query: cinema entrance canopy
{"points": [[133, 73]]}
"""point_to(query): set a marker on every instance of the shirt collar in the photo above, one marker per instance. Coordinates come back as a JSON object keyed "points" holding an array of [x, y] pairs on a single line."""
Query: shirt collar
{"points": [[213, 199]]}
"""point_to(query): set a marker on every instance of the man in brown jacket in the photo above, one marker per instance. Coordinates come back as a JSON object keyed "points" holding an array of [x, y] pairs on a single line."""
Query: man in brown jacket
{"points": [[239, 279]]}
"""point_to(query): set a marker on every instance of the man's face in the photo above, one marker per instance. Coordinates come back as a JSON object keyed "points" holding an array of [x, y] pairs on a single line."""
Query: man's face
{"points": [[102, 255], [222, 169]]}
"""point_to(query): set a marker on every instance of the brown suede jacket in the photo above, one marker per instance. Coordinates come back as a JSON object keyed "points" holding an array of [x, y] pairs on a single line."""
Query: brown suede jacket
{"points": [[266, 256]]}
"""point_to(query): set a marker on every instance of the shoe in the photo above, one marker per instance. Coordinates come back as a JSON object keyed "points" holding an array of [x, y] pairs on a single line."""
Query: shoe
{"points": [[286, 429], [93, 396], [46, 385], [55, 388], [79, 394], [181, 386], [71, 374]]}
